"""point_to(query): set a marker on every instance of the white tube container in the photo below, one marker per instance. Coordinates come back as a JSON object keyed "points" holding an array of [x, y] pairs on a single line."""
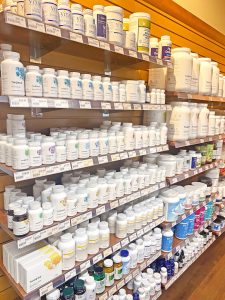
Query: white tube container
{"points": [[140, 24], [195, 73], [205, 76], [182, 69], [114, 16]]}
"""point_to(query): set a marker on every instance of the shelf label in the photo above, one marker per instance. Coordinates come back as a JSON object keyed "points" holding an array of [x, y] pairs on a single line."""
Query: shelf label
{"points": [[118, 106], [133, 236], [107, 252], [72, 273], [85, 104], [53, 30], [104, 45], [145, 56], [97, 258], [127, 106], [128, 278], [132, 153], [46, 289], [119, 50], [100, 210], [137, 106], [116, 247], [106, 105], [123, 200], [85, 265], [132, 53], [103, 159], [15, 20], [34, 25], [112, 291], [19, 101], [115, 157], [123, 155], [120, 284], [39, 102], [22, 175], [142, 151], [61, 103], [124, 242], [114, 204], [103, 297], [76, 37], [93, 42]]}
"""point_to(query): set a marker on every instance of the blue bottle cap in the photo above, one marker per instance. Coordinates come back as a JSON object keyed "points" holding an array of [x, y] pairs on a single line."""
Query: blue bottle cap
{"points": [[124, 253]]}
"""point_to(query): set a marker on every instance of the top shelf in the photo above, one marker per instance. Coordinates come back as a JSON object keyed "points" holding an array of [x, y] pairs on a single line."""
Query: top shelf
{"points": [[17, 29], [187, 96]]}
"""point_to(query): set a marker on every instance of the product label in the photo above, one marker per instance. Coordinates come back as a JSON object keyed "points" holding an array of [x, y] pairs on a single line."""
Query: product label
{"points": [[50, 86], [64, 18], [109, 279], [50, 13], [166, 53], [100, 286], [33, 9], [78, 22], [167, 243], [21, 228], [118, 273], [115, 30], [101, 26], [126, 267], [60, 212], [12, 80], [171, 211], [36, 221], [143, 35]]}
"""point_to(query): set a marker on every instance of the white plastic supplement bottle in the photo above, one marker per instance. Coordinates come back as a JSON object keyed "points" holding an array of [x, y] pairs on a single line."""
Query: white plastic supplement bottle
{"points": [[104, 235], [140, 24], [211, 124], [77, 18], [63, 84], [117, 268], [122, 92], [205, 76], [54, 295], [60, 151], [84, 145], [64, 11], [76, 85], [140, 251], [193, 130], [47, 211], [163, 133], [220, 90], [203, 120], [35, 216], [32, 9], [100, 22], [142, 91], [157, 278], [71, 203], [182, 61], [158, 237], [88, 90], [20, 155], [89, 23], [90, 285], [130, 40], [18, 126], [82, 199], [33, 82], [215, 78], [48, 150], [163, 273], [71, 147], [115, 91], [50, 12], [94, 143], [153, 47], [58, 200], [81, 243], [195, 73], [132, 248], [20, 7], [93, 238], [50, 84], [114, 16], [107, 89], [67, 246], [12, 74], [35, 153], [165, 45], [147, 246], [97, 87]]}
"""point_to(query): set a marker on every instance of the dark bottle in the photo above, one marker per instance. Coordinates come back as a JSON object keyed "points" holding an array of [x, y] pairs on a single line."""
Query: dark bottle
{"points": [[79, 290], [68, 294]]}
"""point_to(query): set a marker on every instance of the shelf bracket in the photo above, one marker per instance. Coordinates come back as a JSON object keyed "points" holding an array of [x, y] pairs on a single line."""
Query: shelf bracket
{"points": [[36, 112]]}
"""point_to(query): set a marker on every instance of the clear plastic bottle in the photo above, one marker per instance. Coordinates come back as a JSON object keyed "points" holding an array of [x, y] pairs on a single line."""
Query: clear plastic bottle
{"points": [[50, 84], [64, 11], [77, 18], [89, 23], [12, 75], [100, 22], [33, 82]]}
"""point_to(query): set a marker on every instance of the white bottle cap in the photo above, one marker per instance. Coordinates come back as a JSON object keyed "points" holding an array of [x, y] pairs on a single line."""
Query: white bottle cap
{"points": [[58, 188], [98, 7], [88, 12], [75, 74], [66, 237], [53, 295], [6, 47], [34, 205], [103, 225], [105, 79], [11, 54], [63, 73], [32, 68], [49, 71], [76, 7]]}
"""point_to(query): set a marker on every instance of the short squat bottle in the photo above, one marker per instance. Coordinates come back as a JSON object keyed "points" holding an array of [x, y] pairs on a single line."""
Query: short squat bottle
{"points": [[12, 74], [77, 18], [50, 12], [64, 12], [20, 222]]}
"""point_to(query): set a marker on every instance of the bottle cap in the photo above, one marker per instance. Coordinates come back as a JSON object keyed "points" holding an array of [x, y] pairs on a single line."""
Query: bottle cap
{"points": [[108, 263], [124, 253], [68, 292]]}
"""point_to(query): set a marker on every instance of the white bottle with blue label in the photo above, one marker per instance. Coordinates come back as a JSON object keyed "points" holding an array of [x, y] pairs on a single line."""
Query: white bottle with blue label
{"points": [[167, 240], [171, 201]]}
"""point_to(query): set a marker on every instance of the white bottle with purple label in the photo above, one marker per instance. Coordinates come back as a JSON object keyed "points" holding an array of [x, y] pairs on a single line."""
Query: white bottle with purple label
{"points": [[153, 47], [100, 22], [165, 45]]}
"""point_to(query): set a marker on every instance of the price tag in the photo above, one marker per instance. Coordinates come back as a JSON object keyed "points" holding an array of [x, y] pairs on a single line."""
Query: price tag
{"points": [[93, 42], [61, 103], [136, 272], [88, 162], [202, 141], [103, 297], [186, 175], [123, 200], [53, 30], [124, 242], [46, 289], [145, 56], [104, 45], [119, 50], [19, 101], [22, 175], [34, 25], [152, 150], [133, 236], [200, 170], [39, 102], [187, 143], [115, 157], [127, 106], [72, 273], [159, 149], [85, 104], [120, 284], [142, 151], [97, 258], [100, 210], [137, 106], [132, 53], [140, 233], [128, 278], [112, 291], [132, 153], [15, 20], [118, 106], [29, 240], [39, 172], [116, 247], [114, 204], [21, 243], [76, 37], [174, 180], [107, 252], [85, 265], [195, 172], [103, 159], [106, 105], [123, 155]]}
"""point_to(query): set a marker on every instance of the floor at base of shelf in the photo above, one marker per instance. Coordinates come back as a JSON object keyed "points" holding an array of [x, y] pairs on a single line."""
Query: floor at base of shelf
{"points": [[204, 279]]}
